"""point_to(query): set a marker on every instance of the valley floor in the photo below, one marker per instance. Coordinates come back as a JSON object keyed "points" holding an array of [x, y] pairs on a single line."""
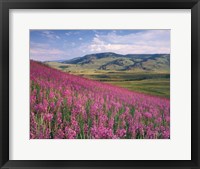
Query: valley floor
{"points": [[153, 83]]}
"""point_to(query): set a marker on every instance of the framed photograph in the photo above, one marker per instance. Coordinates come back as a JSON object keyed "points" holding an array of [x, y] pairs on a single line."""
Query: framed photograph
{"points": [[99, 84]]}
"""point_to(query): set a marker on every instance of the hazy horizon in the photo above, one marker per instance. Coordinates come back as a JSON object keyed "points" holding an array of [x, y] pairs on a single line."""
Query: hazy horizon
{"points": [[97, 53]]}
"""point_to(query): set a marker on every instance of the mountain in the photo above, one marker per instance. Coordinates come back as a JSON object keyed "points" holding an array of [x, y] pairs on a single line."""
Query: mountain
{"points": [[113, 61]]}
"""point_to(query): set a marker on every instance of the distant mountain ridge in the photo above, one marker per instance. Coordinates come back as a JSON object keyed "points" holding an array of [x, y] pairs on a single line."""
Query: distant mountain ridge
{"points": [[114, 61]]}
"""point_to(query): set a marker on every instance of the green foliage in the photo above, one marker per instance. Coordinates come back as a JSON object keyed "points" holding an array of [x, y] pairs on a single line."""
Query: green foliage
{"points": [[132, 111]]}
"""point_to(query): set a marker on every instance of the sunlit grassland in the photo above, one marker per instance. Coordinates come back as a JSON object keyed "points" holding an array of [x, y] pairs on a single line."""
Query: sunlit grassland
{"points": [[150, 82], [158, 87]]}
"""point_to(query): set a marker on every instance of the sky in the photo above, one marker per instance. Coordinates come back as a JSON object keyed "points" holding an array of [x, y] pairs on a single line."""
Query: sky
{"points": [[49, 45]]}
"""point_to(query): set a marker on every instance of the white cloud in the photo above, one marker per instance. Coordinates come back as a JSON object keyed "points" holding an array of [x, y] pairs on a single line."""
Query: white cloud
{"points": [[45, 58], [41, 51], [38, 45], [68, 33], [73, 44], [127, 49], [146, 42], [50, 35], [45, 54], [72, 33], [148, 36]]}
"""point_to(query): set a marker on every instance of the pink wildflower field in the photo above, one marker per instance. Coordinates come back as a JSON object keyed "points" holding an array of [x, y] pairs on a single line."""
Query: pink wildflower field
{"points": [[66, 106]]}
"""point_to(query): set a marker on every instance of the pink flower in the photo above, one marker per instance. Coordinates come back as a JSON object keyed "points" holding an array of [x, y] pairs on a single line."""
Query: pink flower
{"points": [[48, 117], [51, 95], [68, 106], [59, 117], [121, 133], [59, 134], [148, 115], [70, 134]]}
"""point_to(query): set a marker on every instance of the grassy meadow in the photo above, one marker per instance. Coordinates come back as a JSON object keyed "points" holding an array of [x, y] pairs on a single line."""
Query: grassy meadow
{"points": [[149, 82]]}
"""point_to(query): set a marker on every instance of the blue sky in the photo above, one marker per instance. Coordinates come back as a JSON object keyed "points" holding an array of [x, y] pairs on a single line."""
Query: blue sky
{"points": [[49, 45]]}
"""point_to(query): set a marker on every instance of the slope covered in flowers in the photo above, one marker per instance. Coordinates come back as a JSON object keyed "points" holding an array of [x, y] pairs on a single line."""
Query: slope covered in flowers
{"points": [[65, 106]]}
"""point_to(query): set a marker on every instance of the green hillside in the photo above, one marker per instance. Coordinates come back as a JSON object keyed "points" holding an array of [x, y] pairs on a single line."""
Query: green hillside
{"points": [[148, 73], [113, 61]]}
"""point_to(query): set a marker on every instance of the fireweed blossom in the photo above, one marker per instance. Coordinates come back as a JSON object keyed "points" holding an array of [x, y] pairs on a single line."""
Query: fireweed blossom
{"points": [[65, 106]]}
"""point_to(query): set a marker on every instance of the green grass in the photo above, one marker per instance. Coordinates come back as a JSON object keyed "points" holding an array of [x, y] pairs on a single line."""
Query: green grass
{"points": [[154, 83], [157, 84], [158, 87]]}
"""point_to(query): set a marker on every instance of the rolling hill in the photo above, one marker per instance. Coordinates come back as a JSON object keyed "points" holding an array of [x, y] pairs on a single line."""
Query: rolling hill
{"points": [[146, 73], [113, 61]]}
